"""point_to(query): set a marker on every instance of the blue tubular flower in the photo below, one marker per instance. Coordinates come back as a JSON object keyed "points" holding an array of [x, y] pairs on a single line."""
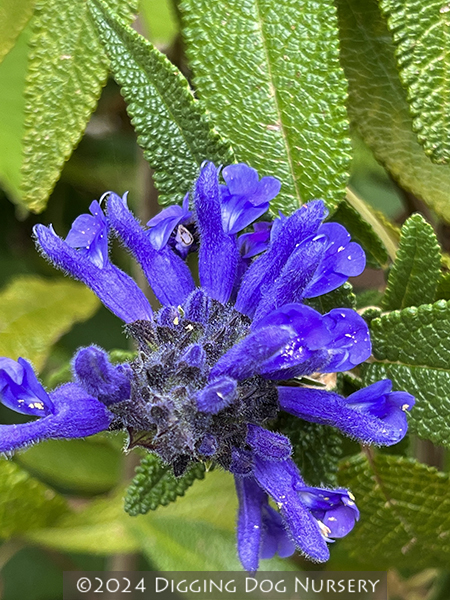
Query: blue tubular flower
{"points": [[90, 264], [215, 363], [244, 199], [168, 275], [100, 378], [334, 510], [172, 220], [251, 244], [373, 415], [218, 254], [68, 412]]}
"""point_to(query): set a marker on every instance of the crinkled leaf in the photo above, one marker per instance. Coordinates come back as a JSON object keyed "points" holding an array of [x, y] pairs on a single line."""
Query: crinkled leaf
{"points": [[420, 30], [25, 503], [173, 129], [155, 485], [405, 516], [377, 104], [269, 73], [414, 276], [36, 312], [317, 448], [413, 347], [13, 18], [67, 70], [12, 103]]}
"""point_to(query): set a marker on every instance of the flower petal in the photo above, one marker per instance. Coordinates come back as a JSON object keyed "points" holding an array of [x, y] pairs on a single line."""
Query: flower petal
{"points": [[100, 378], [249, 526], [75, 415], [116, 290], [328, 408], [267, 267], [218, 253], [167, 274]]}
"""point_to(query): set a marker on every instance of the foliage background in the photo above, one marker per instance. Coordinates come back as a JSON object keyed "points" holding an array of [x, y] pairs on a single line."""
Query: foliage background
{"points": [[61, 503]]}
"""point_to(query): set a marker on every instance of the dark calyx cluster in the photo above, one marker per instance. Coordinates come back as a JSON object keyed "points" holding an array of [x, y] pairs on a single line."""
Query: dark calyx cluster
{"points": [[176, 353]]}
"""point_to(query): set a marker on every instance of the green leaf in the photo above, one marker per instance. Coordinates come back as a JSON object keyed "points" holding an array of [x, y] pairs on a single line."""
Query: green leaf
{"points": [[343, 297], [80, 466], [25, 504], [67, 71], [198, 531], [269, 73], [365, 231], [12, 103], [160, 21], [414, 276], [378, 106], [173, 129], [443, 287], [317, 448], [13, 18], [414, 347], [423, 59], [405, 516], [97, 529], [35, 313], [155, 485]]}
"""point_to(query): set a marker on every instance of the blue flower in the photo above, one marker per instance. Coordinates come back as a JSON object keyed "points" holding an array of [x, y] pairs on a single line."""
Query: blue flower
{"points": [[172, 224], [217, 362], [67, 412]]}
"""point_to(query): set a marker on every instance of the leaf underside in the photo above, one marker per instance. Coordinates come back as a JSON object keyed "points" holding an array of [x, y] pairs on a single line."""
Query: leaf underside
{"points": [[66, 73], [405, 516], [269, 73], [421, 32], [377, 104]]}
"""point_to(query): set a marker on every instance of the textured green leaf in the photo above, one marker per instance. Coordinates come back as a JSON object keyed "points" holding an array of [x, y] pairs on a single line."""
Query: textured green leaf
{"points": [[414, 347], [67, 70], [317, 448], [378, 106], [35, 313], [155, 485], [405, 516], [83, 466], [13, 18], [173, 129], [420, 30], [414, 276], [269, 73], [25, 504], [12, 103]]}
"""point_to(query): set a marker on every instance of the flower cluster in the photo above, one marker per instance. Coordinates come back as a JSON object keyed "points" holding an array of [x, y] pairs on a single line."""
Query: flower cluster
{"points": [[218, 362]]}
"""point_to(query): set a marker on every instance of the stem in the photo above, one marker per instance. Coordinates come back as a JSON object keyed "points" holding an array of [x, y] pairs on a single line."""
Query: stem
{"points": [[368, 215]]}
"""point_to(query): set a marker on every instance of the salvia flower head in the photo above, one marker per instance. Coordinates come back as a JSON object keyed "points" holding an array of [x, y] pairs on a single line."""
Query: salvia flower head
{"points": [[218, 361]]}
